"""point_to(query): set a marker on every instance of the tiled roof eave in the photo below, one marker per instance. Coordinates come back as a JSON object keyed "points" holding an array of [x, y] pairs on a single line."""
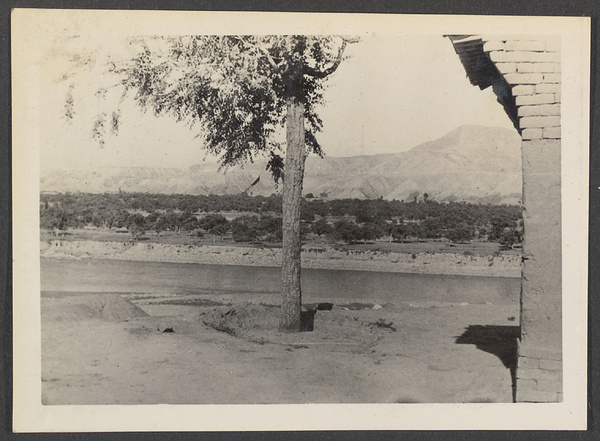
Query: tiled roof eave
{"points": [[482, 71], [476, 62]]}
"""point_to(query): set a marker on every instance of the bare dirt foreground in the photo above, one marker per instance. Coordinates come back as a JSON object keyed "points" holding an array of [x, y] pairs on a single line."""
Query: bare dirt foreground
{"points": [[119, 349]]}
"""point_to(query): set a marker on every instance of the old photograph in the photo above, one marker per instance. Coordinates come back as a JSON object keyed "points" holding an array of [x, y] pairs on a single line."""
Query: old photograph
{"points": [[300, 214]]}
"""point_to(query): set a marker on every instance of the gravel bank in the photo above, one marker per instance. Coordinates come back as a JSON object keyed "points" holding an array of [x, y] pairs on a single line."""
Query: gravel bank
{"points": [[319, 258]]}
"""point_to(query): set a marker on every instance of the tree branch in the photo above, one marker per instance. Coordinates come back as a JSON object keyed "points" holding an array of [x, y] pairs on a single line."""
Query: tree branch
{"points": [[315, 73], [274, 65]]}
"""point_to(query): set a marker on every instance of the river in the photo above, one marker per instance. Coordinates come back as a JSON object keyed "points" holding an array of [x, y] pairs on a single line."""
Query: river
{"points": [[124, 276]]}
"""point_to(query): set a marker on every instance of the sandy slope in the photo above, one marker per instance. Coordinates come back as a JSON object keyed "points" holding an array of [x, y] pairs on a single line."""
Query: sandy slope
{"points": [[94, 354]]}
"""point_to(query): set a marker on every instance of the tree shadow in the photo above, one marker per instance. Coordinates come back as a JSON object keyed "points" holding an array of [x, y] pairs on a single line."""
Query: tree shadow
{"points": [[498, 340]]}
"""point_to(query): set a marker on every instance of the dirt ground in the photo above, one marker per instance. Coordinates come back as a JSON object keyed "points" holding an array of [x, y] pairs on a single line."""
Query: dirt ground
{"points": [[119, 349]]}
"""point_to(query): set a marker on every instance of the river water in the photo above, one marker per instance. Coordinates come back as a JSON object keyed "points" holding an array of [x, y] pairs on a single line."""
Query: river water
{"points": [[122, 276]]}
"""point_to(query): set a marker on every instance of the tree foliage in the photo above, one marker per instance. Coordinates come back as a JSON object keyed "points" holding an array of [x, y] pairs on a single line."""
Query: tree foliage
{"points": [[136, 223], [321, 227], [231, 90], [461, 233]]}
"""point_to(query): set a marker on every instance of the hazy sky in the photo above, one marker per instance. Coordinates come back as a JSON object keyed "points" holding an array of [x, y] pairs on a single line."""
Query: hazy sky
{"points": [[392, 94]]}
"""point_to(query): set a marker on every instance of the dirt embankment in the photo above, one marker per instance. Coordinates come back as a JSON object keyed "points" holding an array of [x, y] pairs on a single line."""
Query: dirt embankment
{"points": [[319, 258]]}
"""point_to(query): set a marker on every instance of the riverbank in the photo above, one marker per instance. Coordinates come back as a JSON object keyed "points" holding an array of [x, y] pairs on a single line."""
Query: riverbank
{"points": [[312, 257]]}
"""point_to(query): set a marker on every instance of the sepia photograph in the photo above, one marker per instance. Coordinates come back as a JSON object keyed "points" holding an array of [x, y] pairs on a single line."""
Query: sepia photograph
{"points": [[309, 223]]}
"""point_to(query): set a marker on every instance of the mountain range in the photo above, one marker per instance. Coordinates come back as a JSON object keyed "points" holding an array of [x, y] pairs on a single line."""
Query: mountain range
{"points": [[471, 163]]}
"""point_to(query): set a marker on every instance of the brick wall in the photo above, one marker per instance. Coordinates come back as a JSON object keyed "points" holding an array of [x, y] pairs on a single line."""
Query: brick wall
{"points": [[531, 67], [539, 375]]}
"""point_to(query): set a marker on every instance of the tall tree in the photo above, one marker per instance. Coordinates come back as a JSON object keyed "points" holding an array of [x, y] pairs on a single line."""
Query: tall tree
{"points": [[240, 90]]}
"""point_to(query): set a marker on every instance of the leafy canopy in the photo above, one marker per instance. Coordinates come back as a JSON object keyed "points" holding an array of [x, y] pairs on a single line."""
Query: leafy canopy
{"points": [[235, 88]]}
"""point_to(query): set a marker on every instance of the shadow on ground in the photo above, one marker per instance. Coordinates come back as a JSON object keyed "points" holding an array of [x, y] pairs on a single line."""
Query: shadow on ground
{"points": [[500, 341]]}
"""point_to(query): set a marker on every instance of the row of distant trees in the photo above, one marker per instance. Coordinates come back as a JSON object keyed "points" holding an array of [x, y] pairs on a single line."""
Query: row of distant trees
{"points": [[506, 232], [348, 220], [90, 208]]}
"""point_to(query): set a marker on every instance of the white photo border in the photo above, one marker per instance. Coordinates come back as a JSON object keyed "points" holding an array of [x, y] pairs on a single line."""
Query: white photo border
{"points": [[31, 27]]}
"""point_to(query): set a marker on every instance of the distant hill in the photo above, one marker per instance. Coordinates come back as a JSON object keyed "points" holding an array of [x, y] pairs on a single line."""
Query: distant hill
{"points": [[471, 163]]}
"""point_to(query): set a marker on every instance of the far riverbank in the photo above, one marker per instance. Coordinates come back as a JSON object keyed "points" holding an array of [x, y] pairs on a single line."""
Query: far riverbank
{"points": [[312, 257]]}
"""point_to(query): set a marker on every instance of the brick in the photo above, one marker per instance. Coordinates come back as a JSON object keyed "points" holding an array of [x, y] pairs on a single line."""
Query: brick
{"points": [[506, 67], [546, 57], [540, 98], [537, 352], [557, 97], [493, 45], [524, 384], [528, 134], [502, 56], [504, 37], [527, 57], [550, 386], [539, 121], [551, 133], [551, 78], [551, 365], [525, 78], [538, 374], [547, 88], [535, 67], [524, 45], [524, 89], [560, 397], [536, 396], [542, 110], [529, 363]]}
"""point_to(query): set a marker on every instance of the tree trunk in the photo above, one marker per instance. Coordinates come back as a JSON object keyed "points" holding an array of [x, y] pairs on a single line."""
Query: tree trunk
{"points": [[295, 156]]}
